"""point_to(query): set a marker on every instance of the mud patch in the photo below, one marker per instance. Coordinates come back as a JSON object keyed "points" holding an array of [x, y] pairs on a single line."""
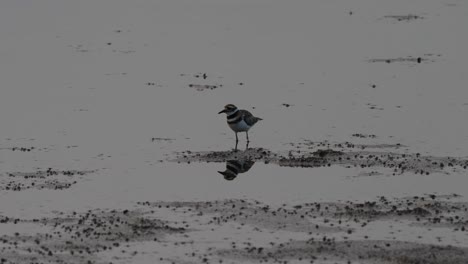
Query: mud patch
{"points": [[345, 146], [369, 174], [349, 251], [342, 154], [79, 237], [159, 139], [21, 149], [254, 154], [428, 210], [41, 179], [374, 106], [252, 213], [410, 60], [203, 87], [360, 135], [202, 81], [398, 163], [403, 18], [26, 149], [159, 85]]}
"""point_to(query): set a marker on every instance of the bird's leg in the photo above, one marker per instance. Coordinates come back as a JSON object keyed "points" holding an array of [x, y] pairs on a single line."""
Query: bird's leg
{"points": [[247, 135], [237, 141]]}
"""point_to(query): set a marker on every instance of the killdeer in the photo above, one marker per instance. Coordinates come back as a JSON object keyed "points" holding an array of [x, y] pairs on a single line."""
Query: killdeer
{"points": [[239, 120], [235, 167]]}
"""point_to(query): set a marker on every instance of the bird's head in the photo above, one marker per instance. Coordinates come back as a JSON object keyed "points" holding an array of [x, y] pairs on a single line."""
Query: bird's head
{"points": [[228, 175], [229, 108]]}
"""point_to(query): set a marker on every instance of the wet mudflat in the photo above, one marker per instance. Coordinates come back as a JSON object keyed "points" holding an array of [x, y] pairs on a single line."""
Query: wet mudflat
{"points": [[112, 151], [423, 228]]}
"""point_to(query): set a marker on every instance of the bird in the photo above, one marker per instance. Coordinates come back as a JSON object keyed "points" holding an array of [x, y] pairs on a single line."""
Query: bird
{"points": [[239, 120], [235, 167]]}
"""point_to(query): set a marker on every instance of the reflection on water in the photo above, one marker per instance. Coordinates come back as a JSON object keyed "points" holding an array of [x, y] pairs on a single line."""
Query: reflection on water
{"points": [[235, 167]]}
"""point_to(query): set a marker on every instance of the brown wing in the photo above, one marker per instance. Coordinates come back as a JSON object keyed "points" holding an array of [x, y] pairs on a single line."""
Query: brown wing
{"points": [[249, 118]]}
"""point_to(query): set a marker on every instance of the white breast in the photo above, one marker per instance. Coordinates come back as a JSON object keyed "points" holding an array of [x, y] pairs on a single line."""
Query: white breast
{"points": [[239, 126]]}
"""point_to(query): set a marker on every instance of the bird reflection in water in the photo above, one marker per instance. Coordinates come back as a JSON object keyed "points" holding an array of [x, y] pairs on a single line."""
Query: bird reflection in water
{"points": [[235, 167]]}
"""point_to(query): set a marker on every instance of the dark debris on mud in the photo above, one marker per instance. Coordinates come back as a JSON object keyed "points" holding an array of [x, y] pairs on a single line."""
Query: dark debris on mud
{"points": [[79, 237], [252, 213], [428, 210], [322, 217], [203, 81], [409, 60], [360, 135], [370, 251], [203, 87], [21, 149], [161, 139], [26, 149], [222, 156], [41, 179], [404, 18]]}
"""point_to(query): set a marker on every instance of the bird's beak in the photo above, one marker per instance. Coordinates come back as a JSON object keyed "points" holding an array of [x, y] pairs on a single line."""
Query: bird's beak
{"points": [[222, 111]]}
